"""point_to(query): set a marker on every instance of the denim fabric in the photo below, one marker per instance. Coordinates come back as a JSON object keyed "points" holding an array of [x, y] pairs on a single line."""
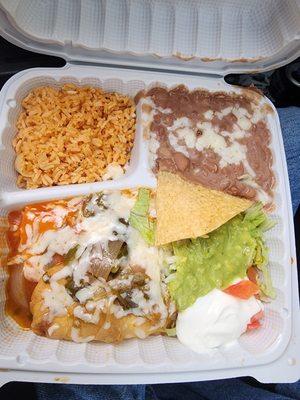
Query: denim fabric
{"points": [[290, 125], [90, 392], [226, 389], [230, 389]]}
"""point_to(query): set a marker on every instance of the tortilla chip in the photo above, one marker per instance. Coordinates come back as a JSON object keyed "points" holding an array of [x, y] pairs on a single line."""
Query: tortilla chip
{"points": [[187, 210]]}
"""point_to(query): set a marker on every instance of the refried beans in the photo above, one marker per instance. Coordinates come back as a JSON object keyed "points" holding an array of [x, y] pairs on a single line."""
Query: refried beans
{"points": [[220, 140]]}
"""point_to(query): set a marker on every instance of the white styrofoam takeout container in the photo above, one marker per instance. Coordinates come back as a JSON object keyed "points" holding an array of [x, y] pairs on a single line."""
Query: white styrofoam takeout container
{"points": [[269, 354]]}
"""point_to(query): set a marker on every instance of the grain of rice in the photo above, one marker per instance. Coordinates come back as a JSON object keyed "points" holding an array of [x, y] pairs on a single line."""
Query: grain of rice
{"points": [[71, 134]]}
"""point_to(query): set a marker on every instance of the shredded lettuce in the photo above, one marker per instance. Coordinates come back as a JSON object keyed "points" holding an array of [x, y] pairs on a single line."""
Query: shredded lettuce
{"points": [[171, 332], [139, 216], [260, 224], [258, 219]]}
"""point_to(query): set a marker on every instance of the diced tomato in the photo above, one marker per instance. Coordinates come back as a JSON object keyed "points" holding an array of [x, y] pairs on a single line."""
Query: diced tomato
{"points": [[255, 321], [243, 289], [252, 274], [253, 325]]}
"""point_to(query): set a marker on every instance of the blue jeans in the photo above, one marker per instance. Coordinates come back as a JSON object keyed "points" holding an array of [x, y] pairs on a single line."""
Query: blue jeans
{"points": [[227, 389]]}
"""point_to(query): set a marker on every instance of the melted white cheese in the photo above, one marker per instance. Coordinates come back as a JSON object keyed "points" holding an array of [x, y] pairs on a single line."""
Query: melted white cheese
{"points": [[148, 257], [152, 260], [188, 135], [140, 333], [223, 112], [57, 215], [208, 114], [244, 123], [153, 147], [240, 112], [180, 123], [55, 241], [80, 267], [52, 329], [215, 319], [88, 292], [101, 228], [90, 305], [80, 312], [173, 140], [104, 226], [235, 134], [233, 154], [63, 273], [29, 235], [56, 300], [149, 102], [107, 325], [257, 116], [120, 204], [77, 339], [34, 267], [262, 196], [181, 131], [209, 138]]}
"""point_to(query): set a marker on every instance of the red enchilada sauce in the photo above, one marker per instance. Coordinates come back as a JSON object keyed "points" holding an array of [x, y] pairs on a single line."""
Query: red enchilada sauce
{"points": [[19, 289]]}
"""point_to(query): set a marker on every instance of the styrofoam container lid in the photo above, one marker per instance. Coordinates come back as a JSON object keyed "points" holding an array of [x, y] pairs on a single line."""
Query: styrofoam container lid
{"points": [[204, 36]]}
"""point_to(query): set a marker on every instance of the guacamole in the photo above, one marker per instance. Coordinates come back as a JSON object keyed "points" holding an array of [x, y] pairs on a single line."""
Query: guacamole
{"points": [[203, 264]]}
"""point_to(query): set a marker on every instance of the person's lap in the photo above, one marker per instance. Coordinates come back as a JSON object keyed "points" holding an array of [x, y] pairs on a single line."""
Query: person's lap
{"points": [[290, 125], [231, 389]]}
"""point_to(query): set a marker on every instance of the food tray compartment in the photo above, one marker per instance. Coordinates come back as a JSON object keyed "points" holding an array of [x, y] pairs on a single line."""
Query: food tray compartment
{"points": [[203, 35], [12, 108], [24, 350]]}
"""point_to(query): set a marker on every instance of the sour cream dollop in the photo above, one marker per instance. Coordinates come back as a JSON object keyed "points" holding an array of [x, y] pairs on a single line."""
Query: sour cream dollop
{"points": [[215, 319]]}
